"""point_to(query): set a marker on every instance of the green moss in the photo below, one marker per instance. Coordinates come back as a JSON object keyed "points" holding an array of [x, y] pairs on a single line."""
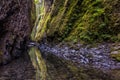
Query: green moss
{"points": [[83, 20], [80, 20]]}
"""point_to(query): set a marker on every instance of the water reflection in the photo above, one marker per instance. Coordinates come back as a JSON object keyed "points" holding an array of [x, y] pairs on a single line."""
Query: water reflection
{"points": [[38, 63]]}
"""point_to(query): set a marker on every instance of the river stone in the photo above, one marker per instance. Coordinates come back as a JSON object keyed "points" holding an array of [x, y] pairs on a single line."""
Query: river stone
{"points": [[115, 52], [116, 48]]}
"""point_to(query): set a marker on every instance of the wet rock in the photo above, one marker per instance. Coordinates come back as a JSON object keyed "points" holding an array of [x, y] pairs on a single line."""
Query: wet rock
{"points": [[19, 69], [114, 52], [15, 26], [98, 57], [117, 48]]}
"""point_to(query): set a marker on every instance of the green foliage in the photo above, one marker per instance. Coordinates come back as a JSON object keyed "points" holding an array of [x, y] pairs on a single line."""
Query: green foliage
{"points": [[93, 23], [82, 20]]}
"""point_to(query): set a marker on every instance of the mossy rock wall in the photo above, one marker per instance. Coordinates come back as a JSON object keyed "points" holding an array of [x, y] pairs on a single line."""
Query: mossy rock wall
{"points": [[15, 27], [82, 20]]}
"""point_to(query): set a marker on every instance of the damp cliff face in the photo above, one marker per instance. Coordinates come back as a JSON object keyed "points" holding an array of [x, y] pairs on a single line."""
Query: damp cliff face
{"points": [[15, 28], [81, 20]]}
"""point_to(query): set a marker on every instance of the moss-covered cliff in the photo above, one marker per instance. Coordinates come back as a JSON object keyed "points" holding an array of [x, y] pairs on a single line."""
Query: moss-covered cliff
{"points": [[82, 20]]}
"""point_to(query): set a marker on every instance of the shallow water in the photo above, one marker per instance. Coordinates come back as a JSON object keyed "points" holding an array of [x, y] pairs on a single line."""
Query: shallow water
{"points": [[98, 57], [55, 62]]}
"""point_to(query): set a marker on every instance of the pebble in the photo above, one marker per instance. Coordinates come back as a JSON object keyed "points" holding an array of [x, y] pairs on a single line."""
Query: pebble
{"points": [[114, 52], [98, 56]]}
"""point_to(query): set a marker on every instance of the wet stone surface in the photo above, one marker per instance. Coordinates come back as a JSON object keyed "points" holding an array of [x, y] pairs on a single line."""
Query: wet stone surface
{"points": [[93, 63], [97, 57], [19, 69]]}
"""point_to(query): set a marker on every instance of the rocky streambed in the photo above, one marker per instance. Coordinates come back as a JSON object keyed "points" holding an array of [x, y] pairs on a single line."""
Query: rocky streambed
{"points": [[86, 55], [67, 61], [98, 62]]}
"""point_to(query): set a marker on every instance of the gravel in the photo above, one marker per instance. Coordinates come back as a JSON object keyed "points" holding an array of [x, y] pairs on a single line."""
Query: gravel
{"points": [[98, 57]]}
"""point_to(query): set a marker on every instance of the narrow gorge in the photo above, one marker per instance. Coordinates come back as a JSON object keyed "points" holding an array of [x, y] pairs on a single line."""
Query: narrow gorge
{"points": [[60, 40]]}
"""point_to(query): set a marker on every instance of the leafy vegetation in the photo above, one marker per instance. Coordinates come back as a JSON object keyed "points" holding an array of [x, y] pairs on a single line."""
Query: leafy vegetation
{"points": [[82, 21]]}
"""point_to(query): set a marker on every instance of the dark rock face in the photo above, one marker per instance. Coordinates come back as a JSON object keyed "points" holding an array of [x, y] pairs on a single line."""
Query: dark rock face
{"points": [[15, 27]]}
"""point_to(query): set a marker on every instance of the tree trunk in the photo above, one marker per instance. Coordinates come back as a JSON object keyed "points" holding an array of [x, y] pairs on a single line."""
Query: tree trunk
{"points": [[15, 28]]}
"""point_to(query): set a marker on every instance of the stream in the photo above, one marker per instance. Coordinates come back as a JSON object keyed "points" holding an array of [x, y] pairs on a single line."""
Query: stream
{"points": [[97, 57], [64, 62], [91, 62]]}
